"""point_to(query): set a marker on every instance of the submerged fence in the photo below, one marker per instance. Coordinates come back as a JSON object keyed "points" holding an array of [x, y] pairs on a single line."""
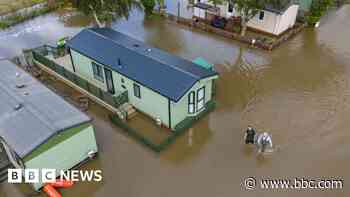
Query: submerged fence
{"points": [[180, 129], [114, 101]]}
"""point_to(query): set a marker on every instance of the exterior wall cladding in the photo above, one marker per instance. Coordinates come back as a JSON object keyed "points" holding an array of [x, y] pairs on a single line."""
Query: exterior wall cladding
{"points": [[151, 102], [272, 23], [63, 154]]}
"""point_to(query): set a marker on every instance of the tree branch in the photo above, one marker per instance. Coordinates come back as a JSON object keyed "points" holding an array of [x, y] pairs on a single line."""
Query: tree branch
{"points": [[94, 14]]}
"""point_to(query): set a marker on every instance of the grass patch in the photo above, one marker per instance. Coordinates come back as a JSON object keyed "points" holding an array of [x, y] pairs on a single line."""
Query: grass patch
{"points": [[16, 19], [7, 6], [180, 129], [4, 25], [153, 16]]}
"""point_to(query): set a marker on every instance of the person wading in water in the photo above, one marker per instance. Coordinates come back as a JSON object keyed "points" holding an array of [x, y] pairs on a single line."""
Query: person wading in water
{"points": [[250, 135], [263, 141]]}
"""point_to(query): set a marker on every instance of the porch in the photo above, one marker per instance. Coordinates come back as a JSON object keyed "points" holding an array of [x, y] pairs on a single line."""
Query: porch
{"points": [[157, 138]]}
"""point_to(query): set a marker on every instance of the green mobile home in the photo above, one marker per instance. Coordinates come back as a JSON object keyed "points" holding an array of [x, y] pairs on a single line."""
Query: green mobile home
{"points": [[41, 128], [163, 86]]}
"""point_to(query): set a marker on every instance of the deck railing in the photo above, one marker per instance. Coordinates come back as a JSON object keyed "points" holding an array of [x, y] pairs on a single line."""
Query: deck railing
{"points": [[39, 54], [179, 130]]}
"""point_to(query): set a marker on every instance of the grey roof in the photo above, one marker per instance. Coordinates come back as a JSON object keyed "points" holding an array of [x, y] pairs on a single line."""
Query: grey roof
{"points": [[278, 6], [160, 71], [206, 6], [43, 114]]}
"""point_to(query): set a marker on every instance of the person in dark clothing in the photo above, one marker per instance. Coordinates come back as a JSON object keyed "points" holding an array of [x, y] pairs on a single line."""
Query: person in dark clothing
{"points": [[250, 135]]}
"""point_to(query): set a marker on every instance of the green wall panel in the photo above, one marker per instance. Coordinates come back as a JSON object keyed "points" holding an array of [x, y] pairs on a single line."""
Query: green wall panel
{"points": [[179, 110], [83, 67], [151, 103], [64, 151]]}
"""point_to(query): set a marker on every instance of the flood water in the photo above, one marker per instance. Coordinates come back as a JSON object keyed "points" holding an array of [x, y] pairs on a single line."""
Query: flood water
{"points": [[300, 93]]}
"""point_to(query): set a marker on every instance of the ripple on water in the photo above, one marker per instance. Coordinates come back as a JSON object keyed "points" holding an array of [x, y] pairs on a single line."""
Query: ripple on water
{"points": [[257, 60], [334, 32]]}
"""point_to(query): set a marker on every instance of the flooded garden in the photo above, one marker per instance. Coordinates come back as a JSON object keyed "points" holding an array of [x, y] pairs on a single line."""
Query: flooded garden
{"points": [[300, 93]]}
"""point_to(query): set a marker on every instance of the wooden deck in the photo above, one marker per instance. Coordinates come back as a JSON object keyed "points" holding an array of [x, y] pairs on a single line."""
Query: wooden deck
{"points": [[64, 61], [124, 112], [148, 128], [76, 87]]}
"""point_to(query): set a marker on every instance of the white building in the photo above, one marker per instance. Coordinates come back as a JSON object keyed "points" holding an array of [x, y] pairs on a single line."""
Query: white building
{"points": [[273, 19]]}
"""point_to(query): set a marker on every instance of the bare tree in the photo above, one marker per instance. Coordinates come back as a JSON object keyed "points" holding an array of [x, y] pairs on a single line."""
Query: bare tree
{"points": [[247, 9], [104, 11]]}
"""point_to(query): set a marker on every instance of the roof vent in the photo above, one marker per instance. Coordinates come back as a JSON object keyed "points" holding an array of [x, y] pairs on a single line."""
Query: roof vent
{"points": [[120, 65], [18, 107], [136, 45]]}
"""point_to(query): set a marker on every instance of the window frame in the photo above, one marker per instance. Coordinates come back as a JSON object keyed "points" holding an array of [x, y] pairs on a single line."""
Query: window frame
{"points": [[261, 15], [137, 90], [193, 103], [96, 70], [109, 81], [200, 99], [230, 8]]}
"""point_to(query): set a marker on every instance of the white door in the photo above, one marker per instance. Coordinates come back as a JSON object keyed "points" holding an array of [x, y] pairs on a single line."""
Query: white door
{"points": [[191, 103], [200, 98]]}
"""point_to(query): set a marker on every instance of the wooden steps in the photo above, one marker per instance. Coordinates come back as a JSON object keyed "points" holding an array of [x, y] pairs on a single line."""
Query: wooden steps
{"points": [[121, 114], [127, 111]]}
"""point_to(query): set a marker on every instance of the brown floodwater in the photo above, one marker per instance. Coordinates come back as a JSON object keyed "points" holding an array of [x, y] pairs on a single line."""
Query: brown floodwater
{"points": [[299, 92]]}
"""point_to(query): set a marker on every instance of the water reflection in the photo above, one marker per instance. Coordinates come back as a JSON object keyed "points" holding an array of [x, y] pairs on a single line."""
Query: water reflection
{"points": [[41, 30], [190, 145], [157, 30], [74, 19], [332, 36]]}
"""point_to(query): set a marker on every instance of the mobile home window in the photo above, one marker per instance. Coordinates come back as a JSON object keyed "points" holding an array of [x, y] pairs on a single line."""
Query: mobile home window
{"points": [[261, 15], [230, 7], [191, 103], [137, 91], [98, 71], [200, 98]]}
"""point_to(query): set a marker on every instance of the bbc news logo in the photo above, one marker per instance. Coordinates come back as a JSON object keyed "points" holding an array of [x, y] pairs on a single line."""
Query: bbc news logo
{"points": [[51, 175]]}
